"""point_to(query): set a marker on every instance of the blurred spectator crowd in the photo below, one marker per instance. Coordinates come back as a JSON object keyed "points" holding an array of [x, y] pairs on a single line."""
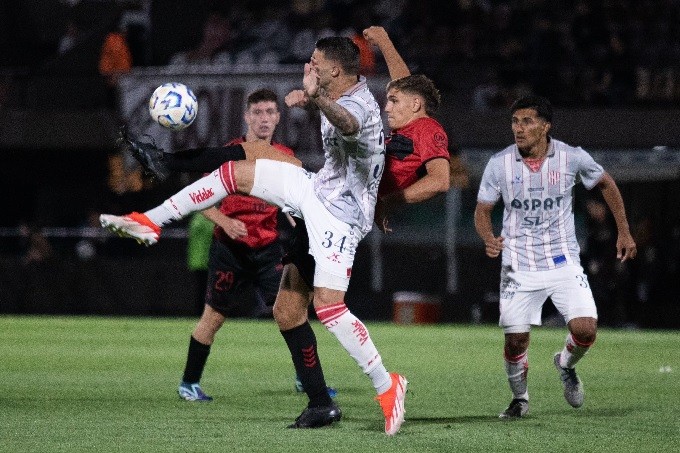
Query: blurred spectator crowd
{"points": [[486, 52], [482, 54]]}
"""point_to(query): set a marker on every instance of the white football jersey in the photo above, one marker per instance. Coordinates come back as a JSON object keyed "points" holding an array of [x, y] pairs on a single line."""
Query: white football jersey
{"points": [[347, 185], [538, 220]]}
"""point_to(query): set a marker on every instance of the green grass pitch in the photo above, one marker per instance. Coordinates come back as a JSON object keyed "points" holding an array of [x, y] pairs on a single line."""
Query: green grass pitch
{"points": [[89, 384]]}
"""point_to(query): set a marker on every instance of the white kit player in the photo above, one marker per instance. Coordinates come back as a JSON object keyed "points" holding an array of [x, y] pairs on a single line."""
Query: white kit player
{"points": [[535, 178], [337, 205]]}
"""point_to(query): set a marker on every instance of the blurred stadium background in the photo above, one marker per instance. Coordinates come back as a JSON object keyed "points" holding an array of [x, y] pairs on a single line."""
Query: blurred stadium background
{"points": [[612, 69]]}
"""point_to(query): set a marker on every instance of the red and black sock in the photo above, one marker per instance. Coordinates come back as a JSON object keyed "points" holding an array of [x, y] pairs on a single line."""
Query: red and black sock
{"points": [[301, 342]]}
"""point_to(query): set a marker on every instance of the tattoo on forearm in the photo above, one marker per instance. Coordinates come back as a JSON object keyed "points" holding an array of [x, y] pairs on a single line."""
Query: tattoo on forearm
{"points": [[337, 115]]}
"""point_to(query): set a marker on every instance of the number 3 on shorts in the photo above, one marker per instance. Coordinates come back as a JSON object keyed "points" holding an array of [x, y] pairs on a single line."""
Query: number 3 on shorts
{"points": [[583, 283]]}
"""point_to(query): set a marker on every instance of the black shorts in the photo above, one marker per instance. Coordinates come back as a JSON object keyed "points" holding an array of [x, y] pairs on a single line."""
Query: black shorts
{"points": [[236, 271], [298, 254]]}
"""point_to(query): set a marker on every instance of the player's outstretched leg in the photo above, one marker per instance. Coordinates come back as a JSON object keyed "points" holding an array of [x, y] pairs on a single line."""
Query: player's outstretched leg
{"points": [[149, 156], [201, 194], [160, 164], [134, 225]]}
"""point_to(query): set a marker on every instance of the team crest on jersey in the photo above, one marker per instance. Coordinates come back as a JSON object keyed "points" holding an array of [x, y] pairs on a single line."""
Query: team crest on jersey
{"points": [[553, 177]]}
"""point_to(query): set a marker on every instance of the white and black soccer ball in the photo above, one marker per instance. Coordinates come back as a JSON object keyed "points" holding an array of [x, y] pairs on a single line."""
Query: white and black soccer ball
{"points": [[173, 105]]}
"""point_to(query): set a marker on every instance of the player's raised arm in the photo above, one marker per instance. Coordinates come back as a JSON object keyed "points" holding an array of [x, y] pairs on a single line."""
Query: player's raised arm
{"points": [[396, 65]]}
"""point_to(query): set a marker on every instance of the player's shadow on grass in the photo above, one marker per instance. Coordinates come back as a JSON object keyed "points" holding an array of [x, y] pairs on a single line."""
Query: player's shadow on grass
{"points": [[591, 412], [452, 420]]}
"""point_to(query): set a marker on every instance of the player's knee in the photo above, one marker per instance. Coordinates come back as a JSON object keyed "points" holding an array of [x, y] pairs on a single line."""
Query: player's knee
{"points": [[211, 320], [585, 336], [583, 330], [281, 316], [516, 344], [289, 311], [244, 174]]}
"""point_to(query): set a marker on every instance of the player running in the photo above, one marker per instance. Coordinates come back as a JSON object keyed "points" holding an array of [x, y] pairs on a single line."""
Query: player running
{"points": [[535, 178]]}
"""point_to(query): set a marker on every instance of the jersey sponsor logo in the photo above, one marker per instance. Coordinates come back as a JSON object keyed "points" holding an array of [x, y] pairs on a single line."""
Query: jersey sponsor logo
{"points": [[535, 189], [517, 180], [536, 203], [202, 195]]}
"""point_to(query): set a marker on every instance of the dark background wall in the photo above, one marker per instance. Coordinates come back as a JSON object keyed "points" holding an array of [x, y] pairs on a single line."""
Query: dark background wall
{"points": [[611, 70]]}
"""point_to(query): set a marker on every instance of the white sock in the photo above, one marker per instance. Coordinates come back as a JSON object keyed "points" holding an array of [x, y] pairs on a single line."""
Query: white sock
{"points": [[197, 196], [517, 368], [572, 352], [354, 337], [161, 215]]}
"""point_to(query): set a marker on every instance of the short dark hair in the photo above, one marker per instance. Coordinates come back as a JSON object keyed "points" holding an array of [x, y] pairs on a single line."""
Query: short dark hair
{"points": [[262, 95], [542, 106], [420, 85], [341, 50]]}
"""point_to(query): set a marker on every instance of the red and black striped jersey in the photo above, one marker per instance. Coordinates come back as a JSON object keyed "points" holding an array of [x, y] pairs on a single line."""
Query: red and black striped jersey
{"points": [[259, 216], [408, 149]]}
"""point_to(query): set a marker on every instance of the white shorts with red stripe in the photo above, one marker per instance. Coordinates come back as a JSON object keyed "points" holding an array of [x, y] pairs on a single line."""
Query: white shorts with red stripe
{"points": [[332, 243]]}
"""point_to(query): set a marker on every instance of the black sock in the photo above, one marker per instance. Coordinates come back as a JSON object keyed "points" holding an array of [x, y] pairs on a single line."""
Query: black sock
{"points": [[196, 358], [301, 342], [202, 160]]}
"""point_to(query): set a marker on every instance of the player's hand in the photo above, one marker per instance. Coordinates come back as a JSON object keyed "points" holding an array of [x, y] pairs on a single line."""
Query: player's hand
{"points": [[234, 228], [310, 81], [296, 98], [382, 211], [493, 246], [383, 224], [625, 247], [376, 35]]}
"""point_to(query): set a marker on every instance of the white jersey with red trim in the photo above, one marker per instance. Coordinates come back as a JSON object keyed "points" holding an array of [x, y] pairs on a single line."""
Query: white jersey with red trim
{"points": [[347, 185], [538, 220]]}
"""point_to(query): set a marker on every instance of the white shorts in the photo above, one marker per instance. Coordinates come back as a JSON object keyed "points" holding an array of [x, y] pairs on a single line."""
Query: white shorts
{"points": [[523, 294], [332, 243]]}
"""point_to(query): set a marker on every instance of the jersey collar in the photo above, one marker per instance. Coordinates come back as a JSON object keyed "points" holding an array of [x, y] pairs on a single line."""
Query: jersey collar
{"points": [[551, 150]]}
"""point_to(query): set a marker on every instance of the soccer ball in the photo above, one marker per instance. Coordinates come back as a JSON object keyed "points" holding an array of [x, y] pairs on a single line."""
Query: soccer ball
{"points": [[173, 105]]}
